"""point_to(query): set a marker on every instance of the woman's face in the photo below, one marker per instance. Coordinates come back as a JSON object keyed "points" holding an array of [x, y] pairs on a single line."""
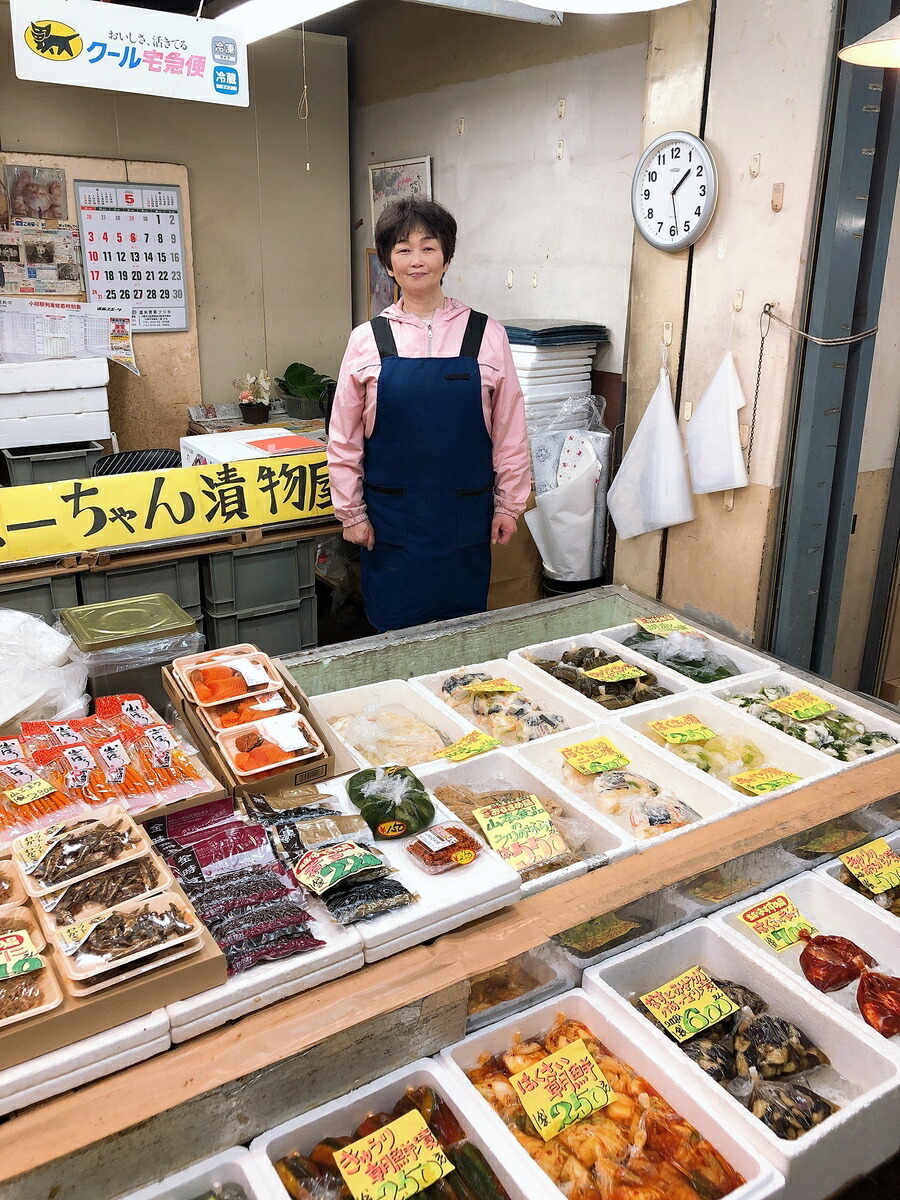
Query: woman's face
{"points": [[418, 263]]}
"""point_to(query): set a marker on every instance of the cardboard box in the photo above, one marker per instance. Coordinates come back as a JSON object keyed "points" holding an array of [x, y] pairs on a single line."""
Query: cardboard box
{"points": [[259, 442], [890, 691]]}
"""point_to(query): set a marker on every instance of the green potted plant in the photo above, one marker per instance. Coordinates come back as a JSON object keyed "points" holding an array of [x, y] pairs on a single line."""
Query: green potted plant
{"points": [[305, 391], [253, 397]]}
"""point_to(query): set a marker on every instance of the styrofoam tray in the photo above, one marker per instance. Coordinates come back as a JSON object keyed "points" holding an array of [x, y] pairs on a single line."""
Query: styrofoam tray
{"points": [[747, 660], [864, 1079], [54, 404], [605, 839], [50, 375], [545, 758], [561, 389], [833, 909], [866, 823], [573, 708], [678, 1088], [831, 871], [332, 705], [656, 913], [341, 1117], [230, 1166], [91, 1058], [724, 719], [553, 973], [38, 430], [872, 720], [745, 876]]}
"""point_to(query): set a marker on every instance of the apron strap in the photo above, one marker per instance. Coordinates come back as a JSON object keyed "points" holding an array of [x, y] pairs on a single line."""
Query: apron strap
{"points": [[471, 342], [384, 337]]}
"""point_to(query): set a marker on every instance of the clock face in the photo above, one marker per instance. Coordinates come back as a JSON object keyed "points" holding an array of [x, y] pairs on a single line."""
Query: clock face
{"points": [[673, 193]]}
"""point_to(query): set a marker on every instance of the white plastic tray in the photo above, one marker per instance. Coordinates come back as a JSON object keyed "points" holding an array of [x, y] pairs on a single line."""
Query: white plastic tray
{"points": [[230, 1166], [833, 909], [741, 656], [678, 1088], [341, 1117], [605, 838], [864, 1078], [332, 705], [831, 871]]}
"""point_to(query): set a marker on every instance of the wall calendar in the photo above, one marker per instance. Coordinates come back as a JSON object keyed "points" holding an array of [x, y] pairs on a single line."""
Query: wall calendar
{"points": [[133, 247]]}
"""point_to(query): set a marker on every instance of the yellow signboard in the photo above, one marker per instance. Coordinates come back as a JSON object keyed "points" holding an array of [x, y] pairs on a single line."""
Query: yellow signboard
{"points": [[75, 515]]}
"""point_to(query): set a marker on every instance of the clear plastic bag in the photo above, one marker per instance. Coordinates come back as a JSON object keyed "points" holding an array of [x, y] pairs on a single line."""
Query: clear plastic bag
{"points": [[42, 673], [691, 654], [141, 654], [389, 734]]}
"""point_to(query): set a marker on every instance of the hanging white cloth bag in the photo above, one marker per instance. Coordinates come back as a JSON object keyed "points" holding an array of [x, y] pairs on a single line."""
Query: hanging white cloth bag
{"points": [[713, 436], [651, 490]]}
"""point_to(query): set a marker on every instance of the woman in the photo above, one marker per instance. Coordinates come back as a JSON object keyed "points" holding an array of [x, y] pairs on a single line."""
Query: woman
{"points": [[427, 449]]}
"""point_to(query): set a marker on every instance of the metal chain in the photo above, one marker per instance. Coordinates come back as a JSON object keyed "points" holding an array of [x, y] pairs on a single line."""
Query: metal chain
{"points": [[764, 316]]}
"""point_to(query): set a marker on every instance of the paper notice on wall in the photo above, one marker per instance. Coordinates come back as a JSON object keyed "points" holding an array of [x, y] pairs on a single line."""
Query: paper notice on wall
{"points": [[39, 261], [39, 329]]}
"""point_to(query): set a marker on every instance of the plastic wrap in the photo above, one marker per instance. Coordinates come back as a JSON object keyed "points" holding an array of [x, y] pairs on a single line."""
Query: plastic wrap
{"points": [[650, 810], [691, 654], [114, 659], [509, 716], [572, 670], [42, 673], [878, 998], [831, 962], [443, 848], [789, 1109], [392, 801], [389, 734]]}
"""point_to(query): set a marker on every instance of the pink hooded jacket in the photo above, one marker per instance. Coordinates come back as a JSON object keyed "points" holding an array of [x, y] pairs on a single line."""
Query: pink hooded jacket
{"points": [[353, 414]]}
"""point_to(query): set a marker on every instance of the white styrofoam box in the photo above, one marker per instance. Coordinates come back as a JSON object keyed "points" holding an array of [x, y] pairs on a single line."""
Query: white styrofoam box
{"points": [[54, 404], [229, 1166], [872, 719], [744, 876], [329, 706], [270, 981], [674, 1085], [552, 971], [575, 709], [504, 772], [834, 910], [53, 374], [341, 1117], [748, 660], [198, 449], [711, 802], [864, 1079], [445, 901], [552, 352], [53, 430], [654, 914], [562, 388], [724, 719], [831, 871], [91, 1058]]}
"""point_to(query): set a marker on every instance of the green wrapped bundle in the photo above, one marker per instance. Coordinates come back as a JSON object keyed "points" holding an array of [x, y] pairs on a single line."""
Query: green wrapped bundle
{"points": [[391, 800]]}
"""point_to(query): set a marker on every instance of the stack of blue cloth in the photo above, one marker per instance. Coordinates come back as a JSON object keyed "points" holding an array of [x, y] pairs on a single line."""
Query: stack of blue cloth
{"points": [[553, 333]]}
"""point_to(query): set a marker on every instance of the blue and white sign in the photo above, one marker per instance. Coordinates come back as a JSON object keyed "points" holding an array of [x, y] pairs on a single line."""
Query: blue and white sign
{"points": [[83, 43]]}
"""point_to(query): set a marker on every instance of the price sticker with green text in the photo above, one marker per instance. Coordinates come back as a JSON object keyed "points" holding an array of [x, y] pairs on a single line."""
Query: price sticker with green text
{"points": [[663, 624], [876, 865], [521, 832], [594, 757], [802, 706], [394, 1162], [615, 672], [18, 955], [764, 780], [473, 743], [681, 730], [689, 1004], [562, 1088], [491, 687], [777, 921], [321, 869]]}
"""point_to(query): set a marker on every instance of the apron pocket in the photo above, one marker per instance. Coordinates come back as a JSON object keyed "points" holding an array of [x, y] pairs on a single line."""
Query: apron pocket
{"points": [[474, 512], [386, 508]]}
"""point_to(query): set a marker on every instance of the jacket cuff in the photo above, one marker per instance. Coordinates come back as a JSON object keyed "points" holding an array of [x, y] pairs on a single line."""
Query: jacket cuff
{"points": [[357, 519]]}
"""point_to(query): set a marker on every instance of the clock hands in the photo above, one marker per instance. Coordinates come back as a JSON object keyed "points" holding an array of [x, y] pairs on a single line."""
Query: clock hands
{"points": [[680, 181]]}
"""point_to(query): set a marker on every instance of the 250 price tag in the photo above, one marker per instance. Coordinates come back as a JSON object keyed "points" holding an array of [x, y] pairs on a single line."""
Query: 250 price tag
{"points": [[395, 1162], [876, 865], [562, 1088]]}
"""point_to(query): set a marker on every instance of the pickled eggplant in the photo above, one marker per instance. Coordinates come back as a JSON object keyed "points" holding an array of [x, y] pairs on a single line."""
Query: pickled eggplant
{"points": [[788, 1108], [773, 1046]]}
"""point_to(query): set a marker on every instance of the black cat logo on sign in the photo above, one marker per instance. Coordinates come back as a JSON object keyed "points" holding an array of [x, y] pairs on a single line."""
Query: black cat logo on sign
{"points": [[53, 40]]}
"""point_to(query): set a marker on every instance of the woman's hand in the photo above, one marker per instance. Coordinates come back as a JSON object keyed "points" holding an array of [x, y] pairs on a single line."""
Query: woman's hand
{"points": [[361, 534], [503, 527]]}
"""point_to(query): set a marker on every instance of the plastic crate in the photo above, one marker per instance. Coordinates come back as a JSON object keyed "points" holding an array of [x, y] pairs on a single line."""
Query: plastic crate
{"points": [[43, 597], [47, 464], [256, 577], [280, 629], [179, 579]]}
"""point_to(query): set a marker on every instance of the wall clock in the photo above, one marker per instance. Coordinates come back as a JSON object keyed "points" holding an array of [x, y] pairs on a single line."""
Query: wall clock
{"points": [[674, 191]]}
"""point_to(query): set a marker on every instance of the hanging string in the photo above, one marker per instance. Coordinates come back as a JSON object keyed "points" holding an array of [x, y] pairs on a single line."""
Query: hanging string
{"points": [[200, 10], [303, 106]]}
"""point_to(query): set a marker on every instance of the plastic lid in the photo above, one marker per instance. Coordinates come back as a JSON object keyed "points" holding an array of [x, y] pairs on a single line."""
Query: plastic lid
{"points": [[123, 622]]}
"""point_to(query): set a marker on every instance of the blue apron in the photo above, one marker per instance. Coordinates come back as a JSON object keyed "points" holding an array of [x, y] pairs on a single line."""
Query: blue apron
{"points": [[428, 486]]}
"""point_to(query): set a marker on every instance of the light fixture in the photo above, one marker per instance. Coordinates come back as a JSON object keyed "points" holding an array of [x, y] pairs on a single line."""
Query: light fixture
{"points": [[880, 48], [609, 7], [255, 19]]}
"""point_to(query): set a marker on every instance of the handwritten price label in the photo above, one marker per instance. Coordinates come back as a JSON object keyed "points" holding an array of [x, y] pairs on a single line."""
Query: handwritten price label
{"points": [[764, 779], [664, 624], [679, 730], [491, 687], [689, 1004], [397, 1161], [320, 870], [595, 756], [777, 921], [562, 1088], [467, 747], [615, 672], [876, 865], [35, 789], [521, 832], [802, 706], [18, 955]]}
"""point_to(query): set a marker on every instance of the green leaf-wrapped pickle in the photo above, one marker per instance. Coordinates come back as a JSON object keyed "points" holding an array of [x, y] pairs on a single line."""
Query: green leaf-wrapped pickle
{"points": [[391, 800]]}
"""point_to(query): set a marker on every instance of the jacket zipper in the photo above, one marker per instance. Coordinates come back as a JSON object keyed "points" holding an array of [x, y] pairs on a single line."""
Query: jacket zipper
{"points": [[428, 327]]}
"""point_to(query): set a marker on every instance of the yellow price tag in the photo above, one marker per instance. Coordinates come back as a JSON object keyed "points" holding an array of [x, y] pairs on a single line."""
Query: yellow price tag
{"points": [[777, 921], [616, 671], [802, 706], [473, 743], [397, 1161], [663, 624], [521, 832], [689, 1004], [679, 730], [595, 756], [876, 865], [18, 955], [562, 1088], [29, 792], [321, 869], [764, 779], [491, 687]]}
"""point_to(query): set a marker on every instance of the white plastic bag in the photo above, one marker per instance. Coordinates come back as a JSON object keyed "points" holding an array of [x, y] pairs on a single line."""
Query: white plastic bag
{"points": [[650, 490], [562, 521], [42, 673], [713, 437]]}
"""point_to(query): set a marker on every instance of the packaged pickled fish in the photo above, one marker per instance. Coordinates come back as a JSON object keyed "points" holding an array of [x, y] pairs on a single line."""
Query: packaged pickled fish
{"points": [[650, 811], [510, 716], [226, 674], [572, 669], [385, 734], [691, 653], [131, 881], [392, 801], [123, 934], [638, 1145], [73, 850], [443, 848], [273, 743], [243, 712]]}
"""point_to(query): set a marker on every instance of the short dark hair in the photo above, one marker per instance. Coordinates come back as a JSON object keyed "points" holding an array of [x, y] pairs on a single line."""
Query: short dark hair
{"points": [[404, 217]]}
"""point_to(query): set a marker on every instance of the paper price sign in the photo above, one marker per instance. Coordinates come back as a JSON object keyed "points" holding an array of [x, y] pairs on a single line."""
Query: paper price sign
{"points": [[562, 1088], [802, 706], [595, 756], [663, 624], [521, 832], [320, 870], [778, 922], [689, 1004], [397, 1161], [491, 687], [876, 865], [616, 671], [18, 955], [27, 793], [679, 730], [470, 745], [764, 779]]}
